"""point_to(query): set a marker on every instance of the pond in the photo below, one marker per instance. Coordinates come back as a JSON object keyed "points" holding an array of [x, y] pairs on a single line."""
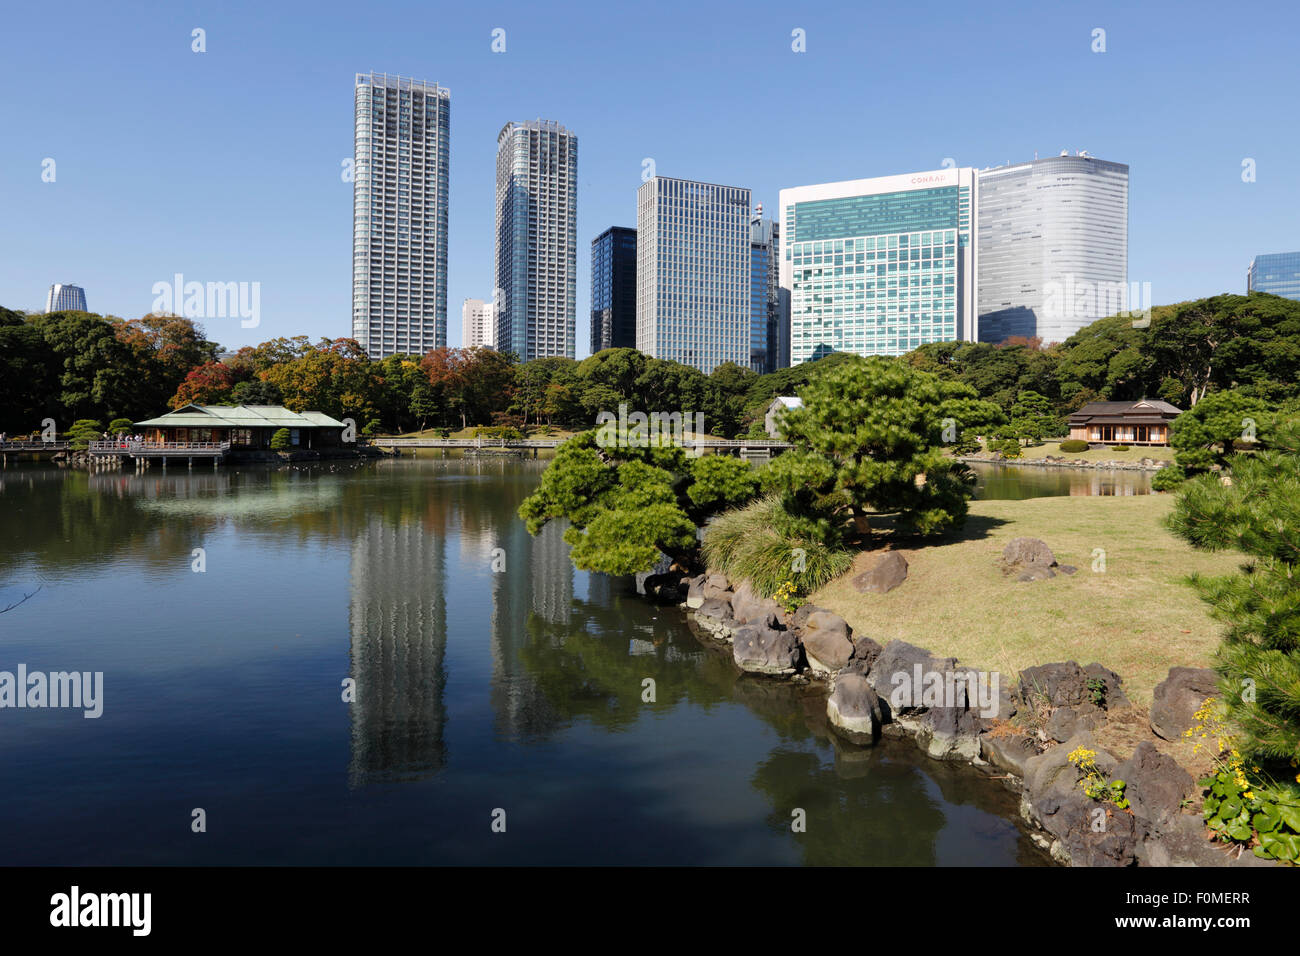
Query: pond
{"points": [[231, 613], [1016, 482]]}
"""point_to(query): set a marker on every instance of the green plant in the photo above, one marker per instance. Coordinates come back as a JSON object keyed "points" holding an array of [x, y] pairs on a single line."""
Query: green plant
{"points": [[280, 440], [790, 596], [1094, 782], [1258, 813], [1074, 445], [1007, 447], [1097, 691], [120, 425], [1119, 447], [764, 544], [83, 432]]}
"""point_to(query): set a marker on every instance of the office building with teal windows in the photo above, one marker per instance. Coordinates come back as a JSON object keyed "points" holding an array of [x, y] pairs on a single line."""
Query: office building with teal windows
{"points": [[1277, 273], [880, 266], [693, 264]]}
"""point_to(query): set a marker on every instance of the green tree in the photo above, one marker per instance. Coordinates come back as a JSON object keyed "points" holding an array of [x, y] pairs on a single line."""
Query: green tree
{"points": [[1206, 436], [868, 440], [1257, 512], [281, 440]]}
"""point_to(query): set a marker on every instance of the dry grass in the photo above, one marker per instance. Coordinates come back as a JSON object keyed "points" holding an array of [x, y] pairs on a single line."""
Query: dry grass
{"points": [[1138, 617]]}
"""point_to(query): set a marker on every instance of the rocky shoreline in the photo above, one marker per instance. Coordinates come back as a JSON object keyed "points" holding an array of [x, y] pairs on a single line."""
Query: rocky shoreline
{"points": [[1053, 461], [1024, 733]]}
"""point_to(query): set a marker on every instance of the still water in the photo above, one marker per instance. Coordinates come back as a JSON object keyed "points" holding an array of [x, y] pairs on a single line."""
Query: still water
{"points": [[1017, 482], [476, 691]]}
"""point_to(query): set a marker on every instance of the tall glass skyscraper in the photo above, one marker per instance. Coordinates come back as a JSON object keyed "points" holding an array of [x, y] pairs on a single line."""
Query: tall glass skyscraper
{"points": [[769, 335], [692, 272], [399, 215], [537, 239], [65, 298], [1278, 273], [613, 289], [1053, 246], [879, 266]]}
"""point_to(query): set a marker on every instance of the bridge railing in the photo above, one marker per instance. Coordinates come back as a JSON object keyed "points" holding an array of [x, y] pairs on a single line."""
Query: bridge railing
{"points": [[129, 447], [34, 445]]}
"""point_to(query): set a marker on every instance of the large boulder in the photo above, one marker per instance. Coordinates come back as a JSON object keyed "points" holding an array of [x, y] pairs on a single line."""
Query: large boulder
{"points": [[1178, 697], [1007, 752], [931, 698], [1065, 684], [853, 709], [826, 641], [695, 591], [764, 650], [717, 586], [889, 571], [1022, 552], [1155, 786], [715, 617], [748, 607], [1083, 831], [661, 566], [865, 653]]}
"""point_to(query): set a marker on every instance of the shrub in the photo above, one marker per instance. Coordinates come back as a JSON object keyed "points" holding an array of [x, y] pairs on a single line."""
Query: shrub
{"points": [[372, 427], [1074, 445], [83, 432], [280, 441], [1120, 447], [761, 543], [124, 425], [1009, 447]]}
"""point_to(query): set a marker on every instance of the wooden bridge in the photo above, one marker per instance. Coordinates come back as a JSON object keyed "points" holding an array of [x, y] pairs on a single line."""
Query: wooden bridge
{"points": [[142, 452]]}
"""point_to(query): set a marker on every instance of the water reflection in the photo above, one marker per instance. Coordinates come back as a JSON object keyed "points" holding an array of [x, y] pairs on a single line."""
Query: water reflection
{"points": [[1017, 482]]}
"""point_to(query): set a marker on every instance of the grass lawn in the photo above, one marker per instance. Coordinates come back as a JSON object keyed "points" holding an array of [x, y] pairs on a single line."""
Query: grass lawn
{"points": [[1134, 453], [1137, 617]]}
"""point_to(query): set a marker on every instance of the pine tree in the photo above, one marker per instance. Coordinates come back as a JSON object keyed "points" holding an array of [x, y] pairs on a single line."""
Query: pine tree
{"points": [[1256, 509]]}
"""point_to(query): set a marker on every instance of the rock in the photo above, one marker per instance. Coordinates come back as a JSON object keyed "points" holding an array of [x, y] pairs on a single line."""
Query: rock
{"points": [[665, 588], [1155, 785], [749, 608], [904, 677], [1027, 551], [661, 566], [715, 617], [718, 581], [865, 653], [826, 642], [889, 571], [1066, 722], [1062, 684], [763, 650], [1113, 697], [1007, 752], [853, 709], [800, 617], [695, 591], [1067, 568], [1085, 832], [1178, 697]]}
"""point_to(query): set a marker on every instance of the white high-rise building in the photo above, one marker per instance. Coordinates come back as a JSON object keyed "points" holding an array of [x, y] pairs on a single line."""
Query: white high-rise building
{"points": [[477, 326], [1053, 241], [880, 266], [65, 297], [399, 215], [693, 292], [536, 265]]}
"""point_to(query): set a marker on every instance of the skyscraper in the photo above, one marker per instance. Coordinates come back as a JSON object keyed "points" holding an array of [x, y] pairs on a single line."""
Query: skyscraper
{"points": [[1053, 246], [1278, 273], [692, 272], [769, 309], [613, 289], [476, 323], [879, 266], [64, 297], [399, 215], [537, 239]]}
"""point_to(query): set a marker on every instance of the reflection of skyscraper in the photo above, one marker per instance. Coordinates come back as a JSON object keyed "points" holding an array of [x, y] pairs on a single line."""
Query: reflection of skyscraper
{"points": [[538, 580], [398, 618]]}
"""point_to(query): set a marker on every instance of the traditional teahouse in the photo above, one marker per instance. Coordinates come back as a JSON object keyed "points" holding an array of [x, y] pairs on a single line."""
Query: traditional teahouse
{"points": [[1144, 422], [244, 426]]}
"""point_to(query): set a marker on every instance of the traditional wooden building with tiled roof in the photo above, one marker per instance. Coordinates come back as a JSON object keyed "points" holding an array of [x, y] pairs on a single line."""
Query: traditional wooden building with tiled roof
{"points": [[1144, 422], [244, 426]]}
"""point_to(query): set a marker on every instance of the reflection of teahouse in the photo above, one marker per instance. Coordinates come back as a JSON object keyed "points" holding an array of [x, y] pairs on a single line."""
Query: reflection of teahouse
{"points": [[1144, 422], [776, 410], [244, 426]]}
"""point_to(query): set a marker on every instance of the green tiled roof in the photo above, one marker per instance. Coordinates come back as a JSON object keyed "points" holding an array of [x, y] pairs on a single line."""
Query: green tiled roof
{"points": [[240, 416]]}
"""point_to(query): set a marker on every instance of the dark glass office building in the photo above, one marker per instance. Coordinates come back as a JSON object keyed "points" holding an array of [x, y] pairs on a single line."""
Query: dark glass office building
{"points": [[769, 328], [1278, 273], [613, 289]]}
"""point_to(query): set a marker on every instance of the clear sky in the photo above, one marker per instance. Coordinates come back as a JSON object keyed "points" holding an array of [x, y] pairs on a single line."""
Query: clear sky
{"points": [[225, 165]]}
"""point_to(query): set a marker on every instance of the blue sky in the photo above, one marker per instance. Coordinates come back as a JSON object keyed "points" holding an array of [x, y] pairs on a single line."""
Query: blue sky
{"points": [[225, 166]]}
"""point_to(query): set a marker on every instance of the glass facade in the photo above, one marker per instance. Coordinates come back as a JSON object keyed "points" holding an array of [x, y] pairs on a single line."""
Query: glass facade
{"points": [[693, 273], [1277, 273], [399, 215], [64, 297], [536, 239], [879, 266], [1053, 241], [769, 335], [613, 289]]}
